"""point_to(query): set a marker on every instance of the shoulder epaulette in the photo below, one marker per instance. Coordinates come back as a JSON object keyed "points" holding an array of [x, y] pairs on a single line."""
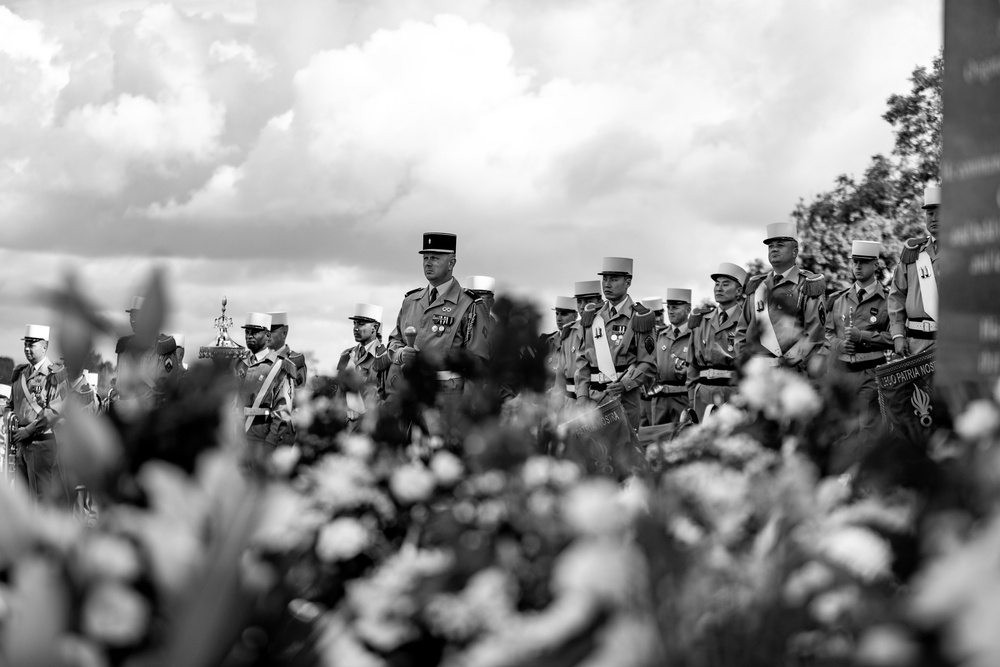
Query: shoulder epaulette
{"points": [[57, 373], [297, 358], [472, 295], [166, 345], [753, 282], [415, 289], [287, 366], [588, 315], [911, 249], [566, 331], [815, 284], [643, 322], [17, 372], [123, 344], [836, 295], [697, 315]]}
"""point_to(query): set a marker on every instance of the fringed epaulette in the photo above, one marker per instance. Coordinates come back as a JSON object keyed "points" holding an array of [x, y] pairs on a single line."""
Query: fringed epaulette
{"points": [[57, 373], [698, 315], [17, 372], [753, 282], [297, 358], [566, 331], [123, 344], [588, 315], [165, 345], [815, 285], [643, 319], [288, 367], [412, 291], [911, 249], [383, 360], [836, 295], [473, 295]]}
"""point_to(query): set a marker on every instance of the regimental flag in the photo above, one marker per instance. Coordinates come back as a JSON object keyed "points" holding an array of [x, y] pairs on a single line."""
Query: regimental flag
{"points": [[603, 442], [904, 396]]}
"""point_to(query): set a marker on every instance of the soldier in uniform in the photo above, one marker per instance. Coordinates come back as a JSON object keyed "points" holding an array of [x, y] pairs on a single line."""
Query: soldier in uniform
{"points": [[565, 310], [655, 305], [144, 371], [857, 337], [279, 333], [618, 354], [585, 293], [264, 398], [484, 288], [784, 313], [669, 391], [369, 359], [913, 293], [36, 404], [711, 372], [441, 318]]}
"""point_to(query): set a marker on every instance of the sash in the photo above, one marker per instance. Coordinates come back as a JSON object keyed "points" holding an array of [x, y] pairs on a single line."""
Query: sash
{"points": [[259, 398], [768, 338], [355, 402], [605, 363], [928, 285], [27, 394]]}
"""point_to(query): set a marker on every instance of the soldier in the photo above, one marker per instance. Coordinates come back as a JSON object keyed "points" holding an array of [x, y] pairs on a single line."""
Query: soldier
{"points": [[857, 336], [9, 464], [131, 357], [618, 354], [265, 393], [669, 391], [913, 293], [441, 318], [36, 404], [279, 332], [655, 305], [81, 393], [585, 293], [4, 397], [483, 287], [565, 310], [180, 340], [711, 372], [369, 359], [144, 371], [785, 310]]}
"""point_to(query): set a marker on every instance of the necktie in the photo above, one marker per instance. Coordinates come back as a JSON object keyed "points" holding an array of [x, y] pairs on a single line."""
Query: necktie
{"points": [[861, 294], [434, 294], [723, 316], [677, 332]]}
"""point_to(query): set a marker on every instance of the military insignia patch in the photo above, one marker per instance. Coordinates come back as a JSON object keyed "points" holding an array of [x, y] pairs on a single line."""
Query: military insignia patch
{"points": [[446, 309], [168, 365], [649, 344]]}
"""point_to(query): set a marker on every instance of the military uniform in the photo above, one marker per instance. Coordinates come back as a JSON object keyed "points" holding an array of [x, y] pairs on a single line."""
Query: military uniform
{"points": [[265, 401], [669, 390], [454, 320], [628, 332], [786, 309], [36, 403], [911, 314], [570, 342], [712, 357]]}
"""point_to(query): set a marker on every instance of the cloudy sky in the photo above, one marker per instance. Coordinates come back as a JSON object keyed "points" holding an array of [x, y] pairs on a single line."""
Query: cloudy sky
{"points": [[289, 154]]}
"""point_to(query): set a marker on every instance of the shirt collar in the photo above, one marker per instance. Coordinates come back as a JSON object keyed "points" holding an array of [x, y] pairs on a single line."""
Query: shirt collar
{"points": [[623, 305], [44, 363], [442, 288], [791, 275], [370, 347], [260, 354]]}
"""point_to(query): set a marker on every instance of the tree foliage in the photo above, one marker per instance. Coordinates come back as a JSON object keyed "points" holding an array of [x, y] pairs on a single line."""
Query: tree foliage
{"points": [[884, 203]]}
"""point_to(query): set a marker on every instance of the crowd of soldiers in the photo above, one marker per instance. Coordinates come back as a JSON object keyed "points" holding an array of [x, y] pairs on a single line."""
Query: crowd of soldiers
{"points": [[608, 346]]}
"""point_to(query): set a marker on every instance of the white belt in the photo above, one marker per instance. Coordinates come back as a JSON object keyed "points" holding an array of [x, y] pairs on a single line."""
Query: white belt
{"points": [[926, 326], [256, 412], [716, 374], [444, 376], [570, 386], [604, 379], [661, 389], [861, 356]]}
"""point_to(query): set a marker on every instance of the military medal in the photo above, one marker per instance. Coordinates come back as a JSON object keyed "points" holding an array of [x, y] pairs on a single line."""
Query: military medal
{"points": [[446, 309], [872, 320], [433, 328], [663, 347]]}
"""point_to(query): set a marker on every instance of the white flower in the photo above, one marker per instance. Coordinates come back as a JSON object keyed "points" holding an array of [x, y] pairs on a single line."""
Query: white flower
{"points": [[591, 507], [104, 556], [798, 400], [412, 483], [633, 499], [980, 420], [726, 417], [115, 614], [357, 446], [447, 468], [284, 458], [807, 580], [830, 606], [342, 539], [607, 569], [286, 520], [859, 550], [887, 646]]}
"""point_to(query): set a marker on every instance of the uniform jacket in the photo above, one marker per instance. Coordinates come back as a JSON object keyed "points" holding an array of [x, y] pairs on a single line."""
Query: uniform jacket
{"points": [[252, 374], [905, 301], [796, 307], [713, 341], [456, 320], [870, 316], [42, 384], [570, 342], [298, 360], [672, 355], [144, 373], [631, 339], [371, 367]]}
